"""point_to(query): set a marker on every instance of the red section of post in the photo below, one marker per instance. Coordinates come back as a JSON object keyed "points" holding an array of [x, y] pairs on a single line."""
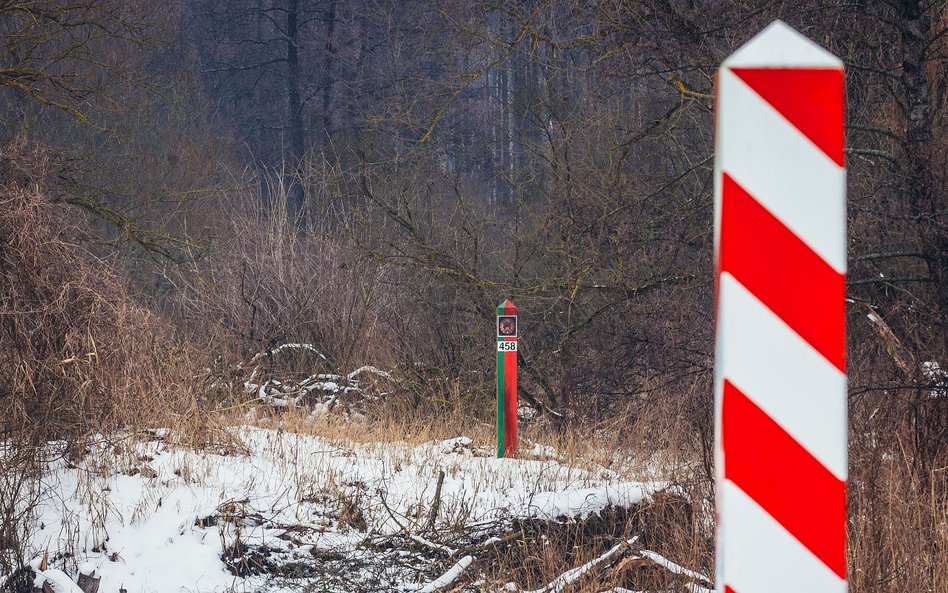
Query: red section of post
{"points": [[510, 404], [814, 514], [782, 271]]}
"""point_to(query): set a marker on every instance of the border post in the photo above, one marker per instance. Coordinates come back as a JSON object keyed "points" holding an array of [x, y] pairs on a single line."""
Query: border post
{"points": [[780, 373], [507, 332]]}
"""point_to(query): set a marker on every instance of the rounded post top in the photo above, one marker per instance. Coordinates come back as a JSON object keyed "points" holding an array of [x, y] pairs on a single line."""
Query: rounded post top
{"points": [[507, 308]]}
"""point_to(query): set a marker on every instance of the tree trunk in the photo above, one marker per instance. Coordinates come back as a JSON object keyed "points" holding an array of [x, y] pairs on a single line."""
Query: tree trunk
{"points": [[924, 191], [294, 115], [328, 79]]}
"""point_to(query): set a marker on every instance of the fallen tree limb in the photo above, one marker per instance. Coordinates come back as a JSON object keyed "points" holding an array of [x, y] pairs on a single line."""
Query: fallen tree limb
{"points": [[447, 578], [371, 370], [327, 387], [492, 541], [672, 567], [572, 575], [431, 545]]}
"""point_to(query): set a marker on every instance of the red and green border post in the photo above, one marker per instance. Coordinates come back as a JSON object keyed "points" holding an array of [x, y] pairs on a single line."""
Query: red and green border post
{"points": [[506, 379]]}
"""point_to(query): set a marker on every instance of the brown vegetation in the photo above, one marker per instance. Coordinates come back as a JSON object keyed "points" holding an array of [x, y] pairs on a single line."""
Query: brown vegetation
{"points": [[78, 355], [372, 178]]}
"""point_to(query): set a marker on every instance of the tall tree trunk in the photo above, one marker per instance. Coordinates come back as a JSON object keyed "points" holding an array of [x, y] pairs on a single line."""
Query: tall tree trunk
{"points": [[925, 192], [328, 79], [509, 124], [266, 190], [294, 114], [355, 99]]}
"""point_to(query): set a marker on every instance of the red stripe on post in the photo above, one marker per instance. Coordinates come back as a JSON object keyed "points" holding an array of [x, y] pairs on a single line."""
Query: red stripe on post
{"points": [[811, 99], [510, 404], [783, 272], [784, 479]]}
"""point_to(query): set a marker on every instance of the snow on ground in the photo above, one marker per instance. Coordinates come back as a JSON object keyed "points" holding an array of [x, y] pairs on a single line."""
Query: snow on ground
{"points": [[161, 518]]}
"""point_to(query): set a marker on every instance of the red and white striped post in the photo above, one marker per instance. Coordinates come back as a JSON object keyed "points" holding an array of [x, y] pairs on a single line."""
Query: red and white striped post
{"points": [[780, 377], [507, 379]]}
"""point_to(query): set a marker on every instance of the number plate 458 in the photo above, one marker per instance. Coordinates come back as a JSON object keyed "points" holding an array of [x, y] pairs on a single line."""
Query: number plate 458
{"points": [[506, 346]]}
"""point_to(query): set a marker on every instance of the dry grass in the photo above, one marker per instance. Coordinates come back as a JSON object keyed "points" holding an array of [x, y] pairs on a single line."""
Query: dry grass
{"points": [[78, 356], [898, 528], [380, 427], [267, 282], [898, 498]]}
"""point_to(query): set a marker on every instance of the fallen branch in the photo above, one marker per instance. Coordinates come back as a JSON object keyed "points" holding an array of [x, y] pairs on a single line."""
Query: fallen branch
{"points": [[292, 393], [441, 548], [447, 578], [309, 347], [573, 575], [430, 544], [672, 567], [492, 541], [369, 369]]}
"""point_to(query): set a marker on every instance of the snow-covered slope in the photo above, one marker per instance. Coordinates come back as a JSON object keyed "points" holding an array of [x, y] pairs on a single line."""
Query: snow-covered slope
{"points": [[291, 509]]}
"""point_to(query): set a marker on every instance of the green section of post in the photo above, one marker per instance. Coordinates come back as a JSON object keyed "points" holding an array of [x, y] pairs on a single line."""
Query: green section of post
{"points": [[507, 336]]}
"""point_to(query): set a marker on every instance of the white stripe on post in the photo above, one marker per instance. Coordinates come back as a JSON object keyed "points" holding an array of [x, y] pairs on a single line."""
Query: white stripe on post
{"points": [[782, 564], [750, 333], [780, 382]]}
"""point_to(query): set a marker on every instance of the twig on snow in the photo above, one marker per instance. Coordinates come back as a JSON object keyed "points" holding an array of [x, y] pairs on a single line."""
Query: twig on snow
{"points": [[430, 544]]}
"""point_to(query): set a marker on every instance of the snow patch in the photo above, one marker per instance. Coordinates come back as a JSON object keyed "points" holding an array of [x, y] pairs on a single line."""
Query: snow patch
{"points": [[298, 498]]}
